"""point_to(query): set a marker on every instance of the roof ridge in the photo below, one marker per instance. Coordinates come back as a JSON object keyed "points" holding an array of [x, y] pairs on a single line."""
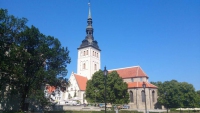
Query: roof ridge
{"points": [[143, 72], [75, 76], [124, 68], [80, 76]]}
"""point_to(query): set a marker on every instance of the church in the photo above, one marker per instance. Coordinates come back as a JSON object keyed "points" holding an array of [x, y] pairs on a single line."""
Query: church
{"points": [[89, 61]]}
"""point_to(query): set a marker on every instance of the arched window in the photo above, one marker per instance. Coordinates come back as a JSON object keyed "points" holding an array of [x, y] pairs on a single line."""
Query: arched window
{"points": [[87, 52], [131, 96], [143, 96], [84, 66], [69, 96], [153, 96], [84, 53], [93, 53], [132, 79], [95, 66], [97, 55]]}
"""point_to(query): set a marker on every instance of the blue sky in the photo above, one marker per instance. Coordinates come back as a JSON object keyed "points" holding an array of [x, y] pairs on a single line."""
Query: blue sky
{"points": [[162, 36]]}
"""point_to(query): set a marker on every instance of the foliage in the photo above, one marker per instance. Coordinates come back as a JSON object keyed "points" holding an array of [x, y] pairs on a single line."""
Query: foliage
{"points": [[174, 94], [28, 60], [198, 92], [116, 89]]}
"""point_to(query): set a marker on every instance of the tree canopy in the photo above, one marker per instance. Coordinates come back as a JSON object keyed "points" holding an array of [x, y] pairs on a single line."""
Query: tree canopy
{"points": [[198, 92], [116, 89], [174, 94], [28, 60]]}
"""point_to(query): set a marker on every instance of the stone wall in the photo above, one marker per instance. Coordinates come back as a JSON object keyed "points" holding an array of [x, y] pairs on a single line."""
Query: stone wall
{"points": [[139, 79], [137, 98]]}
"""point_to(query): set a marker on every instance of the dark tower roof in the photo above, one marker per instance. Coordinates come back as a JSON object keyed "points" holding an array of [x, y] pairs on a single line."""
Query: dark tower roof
{"points": [[89, 39]]}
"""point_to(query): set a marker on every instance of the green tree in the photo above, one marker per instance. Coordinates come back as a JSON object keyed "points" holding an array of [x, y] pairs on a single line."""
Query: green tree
{"points": [[29, 60], [174, 94], [198, 92], [116, 89], [198, 98], [10, 28]]}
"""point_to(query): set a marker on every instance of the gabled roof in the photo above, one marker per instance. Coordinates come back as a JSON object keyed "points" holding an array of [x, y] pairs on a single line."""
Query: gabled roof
{"points": [[50, 89], [130, 72], [82, 81], [139, 85]]}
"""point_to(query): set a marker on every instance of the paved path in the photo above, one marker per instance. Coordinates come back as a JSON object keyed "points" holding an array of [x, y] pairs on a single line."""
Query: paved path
{"points": [[77, 108], [92, 108]]}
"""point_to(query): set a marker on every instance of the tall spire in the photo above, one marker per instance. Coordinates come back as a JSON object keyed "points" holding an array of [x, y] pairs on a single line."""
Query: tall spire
{"points": [[89, 14], [89, 39], [89, 28]]}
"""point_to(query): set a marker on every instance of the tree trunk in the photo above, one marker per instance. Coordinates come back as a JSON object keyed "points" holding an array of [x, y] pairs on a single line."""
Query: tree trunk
{"points": [[23, 102], [24, 96]]}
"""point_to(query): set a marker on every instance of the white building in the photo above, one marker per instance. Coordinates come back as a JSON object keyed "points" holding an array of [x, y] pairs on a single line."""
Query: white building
{"points": [[88, 63]]}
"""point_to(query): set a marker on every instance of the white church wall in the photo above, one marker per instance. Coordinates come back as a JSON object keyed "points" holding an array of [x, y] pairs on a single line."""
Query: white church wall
{"points": [[73, 88], [88, 62]]}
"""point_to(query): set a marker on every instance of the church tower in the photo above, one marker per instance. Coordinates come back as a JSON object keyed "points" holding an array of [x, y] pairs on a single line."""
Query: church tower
{"points": [[88, 52]]}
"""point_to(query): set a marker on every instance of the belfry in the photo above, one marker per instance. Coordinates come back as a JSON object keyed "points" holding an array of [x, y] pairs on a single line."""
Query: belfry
{"points": [[88, 52]]}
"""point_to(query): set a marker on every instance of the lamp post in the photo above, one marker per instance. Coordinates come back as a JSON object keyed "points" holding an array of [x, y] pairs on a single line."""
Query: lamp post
{"points": [[179, 103], [188, 105], [144, 86], [95, 95], [167, 102], [105, 72]]}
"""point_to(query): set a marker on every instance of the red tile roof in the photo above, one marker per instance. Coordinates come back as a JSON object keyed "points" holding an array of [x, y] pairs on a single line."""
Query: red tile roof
{"points": [[82, 81], [130, 72], [50, 88], [139, 85]]}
